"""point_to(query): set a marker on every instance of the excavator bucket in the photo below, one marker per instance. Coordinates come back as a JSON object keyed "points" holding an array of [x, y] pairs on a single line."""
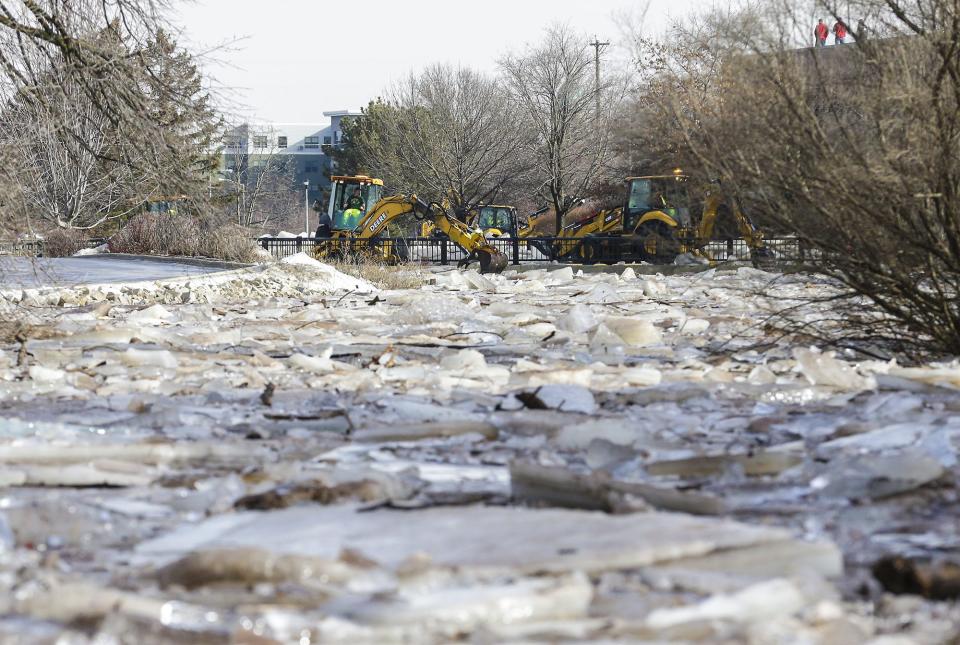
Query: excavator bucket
{"points": [[491, 260]]}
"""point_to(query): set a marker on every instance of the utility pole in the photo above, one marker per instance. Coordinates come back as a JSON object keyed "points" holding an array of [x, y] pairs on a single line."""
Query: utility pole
{"points": [[598, 47], [306, 207]]}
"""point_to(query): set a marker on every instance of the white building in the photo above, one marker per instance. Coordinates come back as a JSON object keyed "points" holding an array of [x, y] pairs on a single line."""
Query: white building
{"points": [[249, 146]]}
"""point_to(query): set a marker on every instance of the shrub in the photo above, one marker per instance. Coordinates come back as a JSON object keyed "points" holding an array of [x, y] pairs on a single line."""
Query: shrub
{"points": [[149, 234], [230, 243], [62, 242], [852, 148], [139, 236]]}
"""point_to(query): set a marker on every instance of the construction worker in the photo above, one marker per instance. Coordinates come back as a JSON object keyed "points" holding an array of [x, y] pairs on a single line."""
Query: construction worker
{"points": [[820, 33], [839, 33], [356, 201], [324, 227], [354, 209]]}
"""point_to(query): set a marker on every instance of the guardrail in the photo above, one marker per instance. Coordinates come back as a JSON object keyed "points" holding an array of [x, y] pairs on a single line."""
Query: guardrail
{"points": [[589, 250]]}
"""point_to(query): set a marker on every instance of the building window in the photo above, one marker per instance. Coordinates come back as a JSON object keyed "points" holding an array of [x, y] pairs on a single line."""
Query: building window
{"points": [[259, 141], [311, 142], [281, 142], [311, 167], [326, 141]]}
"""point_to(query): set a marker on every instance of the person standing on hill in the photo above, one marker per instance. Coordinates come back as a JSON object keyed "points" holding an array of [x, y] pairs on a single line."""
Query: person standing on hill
{"points": [[820, 32], [839, 32]]}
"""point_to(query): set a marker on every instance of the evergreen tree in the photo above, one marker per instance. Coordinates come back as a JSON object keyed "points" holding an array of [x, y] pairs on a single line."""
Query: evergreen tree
{"points": [[186, 155]]}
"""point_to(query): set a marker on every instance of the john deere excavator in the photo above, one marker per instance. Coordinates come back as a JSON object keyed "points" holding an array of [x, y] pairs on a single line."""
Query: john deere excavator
{"points": [[655, 224], [360, 222]]}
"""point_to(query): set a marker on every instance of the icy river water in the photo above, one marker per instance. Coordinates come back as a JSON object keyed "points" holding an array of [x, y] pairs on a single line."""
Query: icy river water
{"points": [[38, 272], [288, 454]]}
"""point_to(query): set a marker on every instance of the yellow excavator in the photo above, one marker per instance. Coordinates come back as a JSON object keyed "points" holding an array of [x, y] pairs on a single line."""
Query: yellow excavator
{"points": [[497, 220], [655, 224], [363, 223], [494, 220]]}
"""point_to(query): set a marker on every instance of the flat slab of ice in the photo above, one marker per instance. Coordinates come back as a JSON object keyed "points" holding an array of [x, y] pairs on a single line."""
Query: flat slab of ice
{"points": [[43, 272], [486, 538]]}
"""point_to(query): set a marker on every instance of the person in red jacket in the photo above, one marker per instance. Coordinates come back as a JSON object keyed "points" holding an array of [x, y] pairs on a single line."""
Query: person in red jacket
{"points": [[839, 33], [820, 32]]}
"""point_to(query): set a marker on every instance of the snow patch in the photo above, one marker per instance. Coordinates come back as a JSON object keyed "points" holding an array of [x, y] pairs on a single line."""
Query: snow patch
{"points": [[333, 279]]}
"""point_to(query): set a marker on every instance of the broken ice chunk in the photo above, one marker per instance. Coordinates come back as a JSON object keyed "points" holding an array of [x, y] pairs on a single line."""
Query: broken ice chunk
{"points": [[154, 314], [579, 319], [42, 374], [454, 611], [598, 491], [637, 332], [316, 364], [466, 359], [149, 358], [601, 293], [474, 538], [876, 476], [603, 338], [823, 369], [761, 602], [562, 276], [479, 282], [437, 307], [652, 288], [249, 565], [694, 326]]}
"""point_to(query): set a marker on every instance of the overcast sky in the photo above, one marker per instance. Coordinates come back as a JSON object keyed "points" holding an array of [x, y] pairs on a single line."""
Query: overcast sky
{"points": [[291, 60]]}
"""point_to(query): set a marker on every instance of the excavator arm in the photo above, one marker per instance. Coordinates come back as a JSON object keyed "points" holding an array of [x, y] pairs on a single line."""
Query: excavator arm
{"points": [[473, 242], [390, 208], [752, 235]]}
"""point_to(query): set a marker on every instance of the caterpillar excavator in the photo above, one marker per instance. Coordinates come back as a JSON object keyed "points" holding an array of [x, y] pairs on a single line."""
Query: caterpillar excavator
{"points": [[655, 224], [497, 220], [370, 224]]}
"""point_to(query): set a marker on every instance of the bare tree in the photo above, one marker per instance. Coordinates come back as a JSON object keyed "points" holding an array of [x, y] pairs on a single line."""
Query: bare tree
{"points": [[853, 147], [59, 171], [261, 190], [114, 102], [554, 85], [445, 133], [37, 35]]}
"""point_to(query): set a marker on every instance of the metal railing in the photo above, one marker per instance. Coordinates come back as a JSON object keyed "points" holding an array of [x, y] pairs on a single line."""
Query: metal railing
{"points": [[443, 251], [34, 248], [24, 248], [589, 250]]}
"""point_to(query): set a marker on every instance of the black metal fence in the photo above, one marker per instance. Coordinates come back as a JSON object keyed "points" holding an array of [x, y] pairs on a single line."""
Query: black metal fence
{"points": [[22, 248], [589, 250], [34, 248], [443, 251]]}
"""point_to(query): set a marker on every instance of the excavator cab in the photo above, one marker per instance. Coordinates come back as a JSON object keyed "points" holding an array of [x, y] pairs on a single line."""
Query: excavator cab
{"points": [[342, 209], [657, 198], [498, 221], [495, 221]]}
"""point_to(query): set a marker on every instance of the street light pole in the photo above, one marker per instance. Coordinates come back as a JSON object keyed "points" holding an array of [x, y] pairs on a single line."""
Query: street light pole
{"points": [[306, 207]]}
